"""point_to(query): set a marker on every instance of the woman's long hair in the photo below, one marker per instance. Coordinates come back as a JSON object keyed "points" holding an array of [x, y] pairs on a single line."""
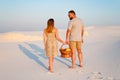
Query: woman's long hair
{"points": [[50, 25]]}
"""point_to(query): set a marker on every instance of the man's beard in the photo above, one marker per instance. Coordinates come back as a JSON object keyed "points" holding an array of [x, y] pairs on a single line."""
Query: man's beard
{"points": [[71, 18]]}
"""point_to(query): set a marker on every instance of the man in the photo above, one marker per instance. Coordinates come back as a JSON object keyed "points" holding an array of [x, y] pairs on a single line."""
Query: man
{"points": [[74, 37]]}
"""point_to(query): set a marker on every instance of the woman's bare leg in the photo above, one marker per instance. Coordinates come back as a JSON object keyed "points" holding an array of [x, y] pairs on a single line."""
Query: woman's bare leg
{"points": [[51, 64]]}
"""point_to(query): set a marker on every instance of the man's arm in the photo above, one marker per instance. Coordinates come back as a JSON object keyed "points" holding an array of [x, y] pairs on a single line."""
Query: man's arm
{"points": [[82, 34], [67, 36]]}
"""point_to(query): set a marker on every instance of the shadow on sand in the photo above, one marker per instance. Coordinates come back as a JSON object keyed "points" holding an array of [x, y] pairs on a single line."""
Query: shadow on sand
{"points": [[41, 51], [32, 56], [38, 50]]}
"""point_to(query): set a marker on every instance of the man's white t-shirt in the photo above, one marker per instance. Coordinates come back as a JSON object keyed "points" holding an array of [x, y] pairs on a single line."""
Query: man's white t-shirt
{"points": [[75, 25]]}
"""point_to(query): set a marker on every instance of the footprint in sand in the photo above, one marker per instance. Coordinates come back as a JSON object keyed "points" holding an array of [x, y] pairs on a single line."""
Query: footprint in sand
{"points": [[111, 78], [95, 76], [82, 71], [51, 73]]}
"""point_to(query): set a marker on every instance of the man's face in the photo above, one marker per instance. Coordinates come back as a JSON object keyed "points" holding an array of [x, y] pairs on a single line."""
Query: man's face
{"points": [[71, 16]]}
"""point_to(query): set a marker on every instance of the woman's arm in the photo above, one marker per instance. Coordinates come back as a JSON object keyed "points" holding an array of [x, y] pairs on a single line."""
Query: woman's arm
{"points": [[57, 36], [44, 39]]}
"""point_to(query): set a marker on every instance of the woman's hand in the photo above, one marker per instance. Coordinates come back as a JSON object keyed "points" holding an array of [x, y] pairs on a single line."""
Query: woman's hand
{"points": [[64, 43], [45, 48]]}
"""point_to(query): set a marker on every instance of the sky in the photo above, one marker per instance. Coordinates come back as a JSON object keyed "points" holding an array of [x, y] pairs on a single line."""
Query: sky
{"points": [[32, 15]]}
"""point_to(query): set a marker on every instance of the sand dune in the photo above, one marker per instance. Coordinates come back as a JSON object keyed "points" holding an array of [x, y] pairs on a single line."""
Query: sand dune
{"points": [[20, 37], [24, 36]]}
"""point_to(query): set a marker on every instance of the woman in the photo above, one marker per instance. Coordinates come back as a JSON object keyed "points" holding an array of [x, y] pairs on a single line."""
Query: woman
{"points": [[50, 42]]}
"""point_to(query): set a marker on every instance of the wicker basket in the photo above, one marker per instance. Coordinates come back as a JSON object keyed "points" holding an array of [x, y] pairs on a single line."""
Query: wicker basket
{"points": [[65, 53]]}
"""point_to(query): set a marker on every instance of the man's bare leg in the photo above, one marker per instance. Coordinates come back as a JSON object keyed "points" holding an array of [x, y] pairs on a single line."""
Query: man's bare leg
{"points": [[73, 58], [80, 57]]}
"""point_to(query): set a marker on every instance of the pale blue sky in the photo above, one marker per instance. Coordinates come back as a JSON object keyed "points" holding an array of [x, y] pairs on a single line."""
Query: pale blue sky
{"points": [[33, 14]]}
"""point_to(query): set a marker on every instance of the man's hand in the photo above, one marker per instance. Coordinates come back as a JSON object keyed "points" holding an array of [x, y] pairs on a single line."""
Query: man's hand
{"points": [[82, 41], [67, 42]]}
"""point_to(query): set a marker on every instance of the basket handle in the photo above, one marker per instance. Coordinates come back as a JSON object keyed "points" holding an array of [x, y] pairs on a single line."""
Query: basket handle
{"points": [[62, 46]]}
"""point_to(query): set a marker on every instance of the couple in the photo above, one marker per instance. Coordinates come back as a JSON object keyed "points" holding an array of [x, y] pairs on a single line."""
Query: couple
{"points": [[74, 37]]}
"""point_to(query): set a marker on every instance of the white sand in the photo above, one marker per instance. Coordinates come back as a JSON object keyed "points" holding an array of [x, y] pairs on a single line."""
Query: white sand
{"points": [[22, 57]]}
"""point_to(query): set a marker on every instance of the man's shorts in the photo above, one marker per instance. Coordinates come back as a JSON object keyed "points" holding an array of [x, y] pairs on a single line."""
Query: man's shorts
{"points": [[75, 45]]}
